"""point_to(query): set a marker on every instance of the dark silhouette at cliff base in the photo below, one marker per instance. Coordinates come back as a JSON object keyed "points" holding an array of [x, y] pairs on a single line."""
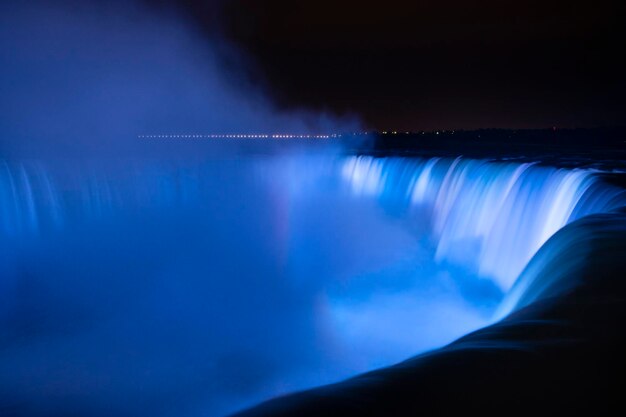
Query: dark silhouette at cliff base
{"points": [[561, 351]]}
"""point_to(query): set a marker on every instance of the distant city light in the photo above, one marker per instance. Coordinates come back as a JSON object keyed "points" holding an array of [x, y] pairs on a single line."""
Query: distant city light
{"points": [[240, 136], [279, 135]]}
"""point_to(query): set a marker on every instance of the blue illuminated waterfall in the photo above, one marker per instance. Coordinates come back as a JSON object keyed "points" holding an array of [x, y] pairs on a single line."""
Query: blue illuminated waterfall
{"points": [[494, 214], [258, 275], [491, 216]]}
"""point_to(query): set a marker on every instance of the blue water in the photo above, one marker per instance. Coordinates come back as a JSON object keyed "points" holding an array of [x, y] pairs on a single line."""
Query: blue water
{"points": [[199, 288]]}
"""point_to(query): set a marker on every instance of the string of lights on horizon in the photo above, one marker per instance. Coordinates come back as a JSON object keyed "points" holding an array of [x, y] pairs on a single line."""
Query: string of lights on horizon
{"points": [[239, 136], [273, 135], [321, 135]]}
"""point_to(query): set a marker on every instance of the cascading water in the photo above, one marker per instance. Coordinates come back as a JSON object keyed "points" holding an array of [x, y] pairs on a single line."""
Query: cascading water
{"points": [[226, 282], [496, 215]]}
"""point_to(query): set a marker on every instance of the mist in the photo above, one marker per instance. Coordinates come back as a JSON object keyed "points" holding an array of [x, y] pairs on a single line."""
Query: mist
{"points": [[200, 289], [192, 277], [86, 78], [175, 277]]}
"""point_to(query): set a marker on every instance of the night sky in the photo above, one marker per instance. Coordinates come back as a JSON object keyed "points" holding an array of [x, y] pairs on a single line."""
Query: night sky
{"points": [[117, 68], [412, 65]]}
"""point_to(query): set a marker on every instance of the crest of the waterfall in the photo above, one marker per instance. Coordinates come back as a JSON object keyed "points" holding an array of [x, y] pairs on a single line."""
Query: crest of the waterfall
{"points": [[492, 216]]}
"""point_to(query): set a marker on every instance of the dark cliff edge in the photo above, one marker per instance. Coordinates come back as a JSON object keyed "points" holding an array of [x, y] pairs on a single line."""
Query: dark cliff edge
{"points": [[559, 348]]}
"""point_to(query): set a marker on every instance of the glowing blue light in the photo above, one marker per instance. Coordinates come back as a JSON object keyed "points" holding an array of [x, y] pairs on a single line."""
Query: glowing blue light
{"points": [[503, 212], [267, 274]]}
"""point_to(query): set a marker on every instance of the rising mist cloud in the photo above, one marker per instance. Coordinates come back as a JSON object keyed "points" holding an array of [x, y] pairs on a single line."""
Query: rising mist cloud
{"points": [[90, 77]]}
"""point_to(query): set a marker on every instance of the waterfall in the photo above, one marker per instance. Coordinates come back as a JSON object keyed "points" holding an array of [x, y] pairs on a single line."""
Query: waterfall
{"points": [[493, 214], [277, 262]]}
